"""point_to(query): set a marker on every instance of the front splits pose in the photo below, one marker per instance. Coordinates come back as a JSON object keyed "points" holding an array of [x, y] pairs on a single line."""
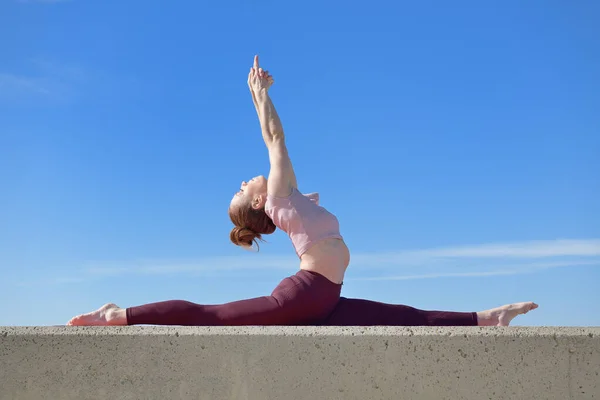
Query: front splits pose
{"points": [[312, 295]]}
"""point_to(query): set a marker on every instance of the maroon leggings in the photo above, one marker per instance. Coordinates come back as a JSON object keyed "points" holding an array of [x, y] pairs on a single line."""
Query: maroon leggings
{"points": [[306, 298], [357, 312]]}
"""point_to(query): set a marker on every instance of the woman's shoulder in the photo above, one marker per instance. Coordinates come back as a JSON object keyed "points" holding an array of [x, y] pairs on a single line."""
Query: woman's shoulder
{"points": [[294, 197]]}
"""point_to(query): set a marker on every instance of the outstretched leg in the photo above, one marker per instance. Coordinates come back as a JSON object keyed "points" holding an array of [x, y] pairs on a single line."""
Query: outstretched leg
{"points": [[357, 312], [304, 298]]}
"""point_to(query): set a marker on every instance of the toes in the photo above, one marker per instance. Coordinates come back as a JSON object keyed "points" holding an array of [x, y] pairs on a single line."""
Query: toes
{"points": [[75, 320], [530, 306]]}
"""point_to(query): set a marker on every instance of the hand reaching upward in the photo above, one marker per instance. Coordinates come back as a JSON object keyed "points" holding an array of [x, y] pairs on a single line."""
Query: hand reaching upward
{"points": [[259, 79]]}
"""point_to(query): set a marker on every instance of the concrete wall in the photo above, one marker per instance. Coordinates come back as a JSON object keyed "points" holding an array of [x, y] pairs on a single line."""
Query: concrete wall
{"points": [[286, 363]]}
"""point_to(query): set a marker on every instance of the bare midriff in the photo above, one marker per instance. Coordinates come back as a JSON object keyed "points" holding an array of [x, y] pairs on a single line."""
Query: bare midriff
{"points": [[329, 257]]}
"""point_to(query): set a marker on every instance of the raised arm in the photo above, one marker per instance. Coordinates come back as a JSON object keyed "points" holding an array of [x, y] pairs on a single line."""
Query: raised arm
{"points": [[281, 176]]}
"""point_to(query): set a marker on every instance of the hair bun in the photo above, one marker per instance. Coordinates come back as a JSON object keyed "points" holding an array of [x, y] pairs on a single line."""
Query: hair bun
{"points": [[243, 236]]}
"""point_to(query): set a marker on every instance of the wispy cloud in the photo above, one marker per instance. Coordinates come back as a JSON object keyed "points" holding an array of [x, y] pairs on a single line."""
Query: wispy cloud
{"points": [[199, 266], [532, 249], [20, 83], [527, 250], [497, 270], [484, 260], [43, 1], [41, 79], [50, 281]]}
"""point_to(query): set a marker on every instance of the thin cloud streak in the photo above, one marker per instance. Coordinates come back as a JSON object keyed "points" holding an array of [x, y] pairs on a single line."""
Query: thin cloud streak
{"points": [[532, 249], [11, 82], [450, 257], [485, 260], [209, 264], [48, 80], [43, 1], [514, 270], [50, 282], [528, 250], [446, 275]]}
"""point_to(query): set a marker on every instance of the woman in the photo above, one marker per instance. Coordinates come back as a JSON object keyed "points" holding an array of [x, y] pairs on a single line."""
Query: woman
{"points": [[312, 295]]}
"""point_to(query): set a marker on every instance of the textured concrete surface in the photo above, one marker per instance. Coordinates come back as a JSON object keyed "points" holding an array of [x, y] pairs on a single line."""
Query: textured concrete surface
{"points": [[286, 363]]}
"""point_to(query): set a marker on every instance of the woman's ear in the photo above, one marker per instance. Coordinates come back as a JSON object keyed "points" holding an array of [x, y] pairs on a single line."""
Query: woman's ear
{"points": [[259, 201]]}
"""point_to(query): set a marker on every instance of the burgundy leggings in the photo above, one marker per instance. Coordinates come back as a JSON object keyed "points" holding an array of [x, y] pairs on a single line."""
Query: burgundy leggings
{"points": [[306, 298]]}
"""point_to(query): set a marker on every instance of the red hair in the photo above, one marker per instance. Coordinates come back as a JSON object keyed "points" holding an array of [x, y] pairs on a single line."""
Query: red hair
{"points": [[250, 225]]}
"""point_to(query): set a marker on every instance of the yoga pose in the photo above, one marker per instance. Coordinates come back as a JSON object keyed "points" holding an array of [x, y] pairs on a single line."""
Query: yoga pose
{"points": [[312, 295]]}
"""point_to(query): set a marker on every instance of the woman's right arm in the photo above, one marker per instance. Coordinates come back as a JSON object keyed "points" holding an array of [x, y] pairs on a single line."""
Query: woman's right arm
{"points": [[281, 176]]}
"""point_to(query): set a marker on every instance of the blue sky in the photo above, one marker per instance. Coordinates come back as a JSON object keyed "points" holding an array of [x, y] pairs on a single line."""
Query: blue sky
{"points": [[457, 142]]}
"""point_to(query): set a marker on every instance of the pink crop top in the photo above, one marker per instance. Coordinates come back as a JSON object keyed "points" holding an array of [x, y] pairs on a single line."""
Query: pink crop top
{"points": [[301, 217]]}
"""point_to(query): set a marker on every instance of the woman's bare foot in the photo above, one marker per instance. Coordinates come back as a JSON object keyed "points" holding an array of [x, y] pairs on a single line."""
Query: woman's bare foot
{"points": [[502, 316], [108, 314]]}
